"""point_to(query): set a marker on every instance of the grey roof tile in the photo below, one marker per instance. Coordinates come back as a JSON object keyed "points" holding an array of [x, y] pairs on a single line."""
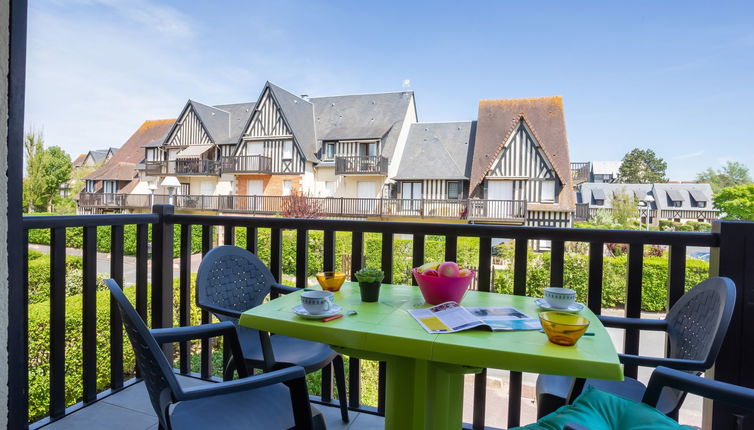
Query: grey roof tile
{"points": [[362, 116], [299, 114], [437, 151]]}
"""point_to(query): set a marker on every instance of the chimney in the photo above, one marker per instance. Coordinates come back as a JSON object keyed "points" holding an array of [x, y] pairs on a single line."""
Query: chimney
{"points": [[305, 96]]}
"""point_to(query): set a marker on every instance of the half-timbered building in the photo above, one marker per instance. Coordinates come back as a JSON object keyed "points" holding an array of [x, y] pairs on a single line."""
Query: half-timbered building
{"points": [[521, 154]]}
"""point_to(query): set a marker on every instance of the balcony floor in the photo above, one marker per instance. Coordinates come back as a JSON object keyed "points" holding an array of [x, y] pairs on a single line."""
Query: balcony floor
{"points": [[130, 409]]}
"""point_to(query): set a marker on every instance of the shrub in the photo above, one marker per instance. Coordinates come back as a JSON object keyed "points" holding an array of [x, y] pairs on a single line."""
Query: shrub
{"points": [[576, 275]]}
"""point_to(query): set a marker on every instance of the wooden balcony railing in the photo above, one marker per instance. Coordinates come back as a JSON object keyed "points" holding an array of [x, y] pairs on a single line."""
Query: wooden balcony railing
{"points": [[361, 165], [182, 167], [246, 164], [472, 209], [580, 172], [159, 297]]}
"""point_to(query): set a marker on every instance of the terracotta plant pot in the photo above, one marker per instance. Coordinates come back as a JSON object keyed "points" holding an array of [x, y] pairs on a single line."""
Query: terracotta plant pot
{"points": [[370, 291]]}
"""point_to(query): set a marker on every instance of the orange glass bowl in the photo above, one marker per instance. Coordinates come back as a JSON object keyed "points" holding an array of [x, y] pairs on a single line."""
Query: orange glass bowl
{"points": [[563, 328], [331, 281]]}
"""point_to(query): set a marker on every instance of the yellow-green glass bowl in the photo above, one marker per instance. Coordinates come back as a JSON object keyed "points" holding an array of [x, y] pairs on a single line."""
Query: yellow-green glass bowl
{"points": [[331, 281], [563, 328]]}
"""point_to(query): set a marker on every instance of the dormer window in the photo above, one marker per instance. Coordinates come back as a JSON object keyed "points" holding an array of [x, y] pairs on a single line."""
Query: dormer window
{"points": [[701, 204], [698, 198], [599, 202], [329, 151], [90, 185]]}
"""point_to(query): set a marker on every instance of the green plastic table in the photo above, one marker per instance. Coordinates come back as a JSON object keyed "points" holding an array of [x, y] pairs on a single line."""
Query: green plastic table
{"points": [[425, 371]]}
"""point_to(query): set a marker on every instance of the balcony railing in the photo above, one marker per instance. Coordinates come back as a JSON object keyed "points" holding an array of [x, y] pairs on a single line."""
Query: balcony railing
{"points": [[246, 164], [361, 165], [472, 209], [580, 172], [182, 167], [55, 373]]}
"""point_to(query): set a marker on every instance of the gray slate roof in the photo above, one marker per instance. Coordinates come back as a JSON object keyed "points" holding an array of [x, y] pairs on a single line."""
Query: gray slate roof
{"points": [[239, 116], [99, 155], [362, 116], [438, 151], [663, 194], [590, 192], [299, 114]]}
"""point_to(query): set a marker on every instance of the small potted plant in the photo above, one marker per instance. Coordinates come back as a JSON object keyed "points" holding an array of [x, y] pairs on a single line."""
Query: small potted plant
{"points": [[369, 283]]}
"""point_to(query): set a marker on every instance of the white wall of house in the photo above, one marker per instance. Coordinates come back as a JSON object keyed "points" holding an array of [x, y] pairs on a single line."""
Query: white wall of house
{"points": [[308, 182], [400, 144], [4, 59]]}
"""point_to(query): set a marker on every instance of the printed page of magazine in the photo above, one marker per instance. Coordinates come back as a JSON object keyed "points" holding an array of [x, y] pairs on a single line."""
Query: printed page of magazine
{"points": [[448, 317]]}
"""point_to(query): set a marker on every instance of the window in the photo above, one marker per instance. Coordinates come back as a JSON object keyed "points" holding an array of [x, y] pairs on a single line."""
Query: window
{"points": [[90, 185], [185, 189], [599, 202], [111, 187], [329, 151], [454, 190], [257, 148], [329, 188], [287, 150], [368, 149], [701, 204], [677, 204], [206, 188], [548, 191], [287, 188]]}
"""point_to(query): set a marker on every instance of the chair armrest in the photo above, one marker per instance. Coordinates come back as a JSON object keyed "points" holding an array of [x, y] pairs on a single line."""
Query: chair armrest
{"points": [[283, 289], [226, 329], [184, 334], [715, 390], [675, 363], [636, 323], [574, 426], [221, 311], [249, 383]]}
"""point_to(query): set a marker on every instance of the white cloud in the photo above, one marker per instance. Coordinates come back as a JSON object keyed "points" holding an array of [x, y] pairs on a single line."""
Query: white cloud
{"points": [[689, 155]]}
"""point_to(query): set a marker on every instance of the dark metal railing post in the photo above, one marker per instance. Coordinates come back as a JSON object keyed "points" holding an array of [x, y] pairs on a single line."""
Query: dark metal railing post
{"points": [[162, 272], [733, 259]]}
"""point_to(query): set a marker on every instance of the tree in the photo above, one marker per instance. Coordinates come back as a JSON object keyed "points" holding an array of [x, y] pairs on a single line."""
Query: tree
{"points": [[625, 207], [642, 166], [736, 202], [730, 175], [46, 171], [298, 205]]}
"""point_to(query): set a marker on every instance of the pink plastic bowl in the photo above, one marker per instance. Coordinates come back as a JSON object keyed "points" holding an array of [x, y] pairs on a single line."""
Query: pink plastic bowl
{"points": [[440, 289]]}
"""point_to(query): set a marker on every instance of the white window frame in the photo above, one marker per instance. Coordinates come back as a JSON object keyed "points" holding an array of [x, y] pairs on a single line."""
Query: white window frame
{"points": [[545, 194], [90, 186], [109, 187], [330, 187], [459, 191], [326, 155], [287, 150], [287, 187]]}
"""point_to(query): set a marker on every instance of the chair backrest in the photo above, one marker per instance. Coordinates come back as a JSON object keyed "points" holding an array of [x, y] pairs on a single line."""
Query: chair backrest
{"points": [[158, 375], [697, 323], [232, 278]]}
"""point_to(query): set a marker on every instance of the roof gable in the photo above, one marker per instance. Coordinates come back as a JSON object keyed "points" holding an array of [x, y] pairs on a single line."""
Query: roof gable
{"points": [[188, 128], [522, 156]]}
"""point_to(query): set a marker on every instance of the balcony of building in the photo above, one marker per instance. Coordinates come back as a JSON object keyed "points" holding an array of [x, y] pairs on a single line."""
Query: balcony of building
{"points": [[361, 165]]}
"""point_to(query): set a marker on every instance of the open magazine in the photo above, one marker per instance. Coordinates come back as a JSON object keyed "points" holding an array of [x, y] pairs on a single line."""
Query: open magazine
{"points": [[450, 317]]}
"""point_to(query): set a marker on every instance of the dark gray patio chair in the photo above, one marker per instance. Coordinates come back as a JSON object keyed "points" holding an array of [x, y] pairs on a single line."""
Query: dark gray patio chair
{"points": [[662, 380], [695, 326], [232, 280], [275, 400]]}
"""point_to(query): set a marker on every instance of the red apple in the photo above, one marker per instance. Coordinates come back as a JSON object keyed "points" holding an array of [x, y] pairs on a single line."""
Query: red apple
{"points": [[448, 269], [430, 272]]}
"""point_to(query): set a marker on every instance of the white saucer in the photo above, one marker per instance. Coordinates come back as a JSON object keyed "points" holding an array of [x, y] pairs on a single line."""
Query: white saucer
{"points": [[303, 313], [576, 307]]}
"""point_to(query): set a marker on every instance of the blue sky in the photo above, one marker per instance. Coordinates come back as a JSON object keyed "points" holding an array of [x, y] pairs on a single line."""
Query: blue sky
{"points": [[677, 77]]}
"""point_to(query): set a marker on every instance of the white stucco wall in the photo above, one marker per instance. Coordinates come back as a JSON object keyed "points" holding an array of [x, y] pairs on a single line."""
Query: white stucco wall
{"points": [[400, 144], [4, 56]]}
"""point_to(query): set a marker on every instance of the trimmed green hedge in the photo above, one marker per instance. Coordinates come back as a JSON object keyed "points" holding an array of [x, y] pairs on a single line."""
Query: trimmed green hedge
{"points": [[39, 348], [74, 238], [576, 275]]}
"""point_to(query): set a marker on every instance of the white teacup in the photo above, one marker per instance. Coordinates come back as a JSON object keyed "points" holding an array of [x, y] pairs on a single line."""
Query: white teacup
{"points": [[560, 298], [317, 302]]}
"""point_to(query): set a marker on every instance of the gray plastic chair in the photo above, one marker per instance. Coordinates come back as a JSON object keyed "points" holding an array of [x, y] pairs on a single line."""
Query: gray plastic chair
{"points": [[664, 378], [696, 326], [232, 280], [275, 400]]}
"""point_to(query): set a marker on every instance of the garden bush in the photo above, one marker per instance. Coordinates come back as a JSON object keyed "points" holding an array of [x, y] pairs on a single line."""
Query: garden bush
{"points": [[576, 275]]}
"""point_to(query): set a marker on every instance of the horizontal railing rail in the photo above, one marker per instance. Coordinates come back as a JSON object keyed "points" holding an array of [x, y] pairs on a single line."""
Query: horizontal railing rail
{"points": [[246, 164], [361, 164], [159, 306], [473, 209]]}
